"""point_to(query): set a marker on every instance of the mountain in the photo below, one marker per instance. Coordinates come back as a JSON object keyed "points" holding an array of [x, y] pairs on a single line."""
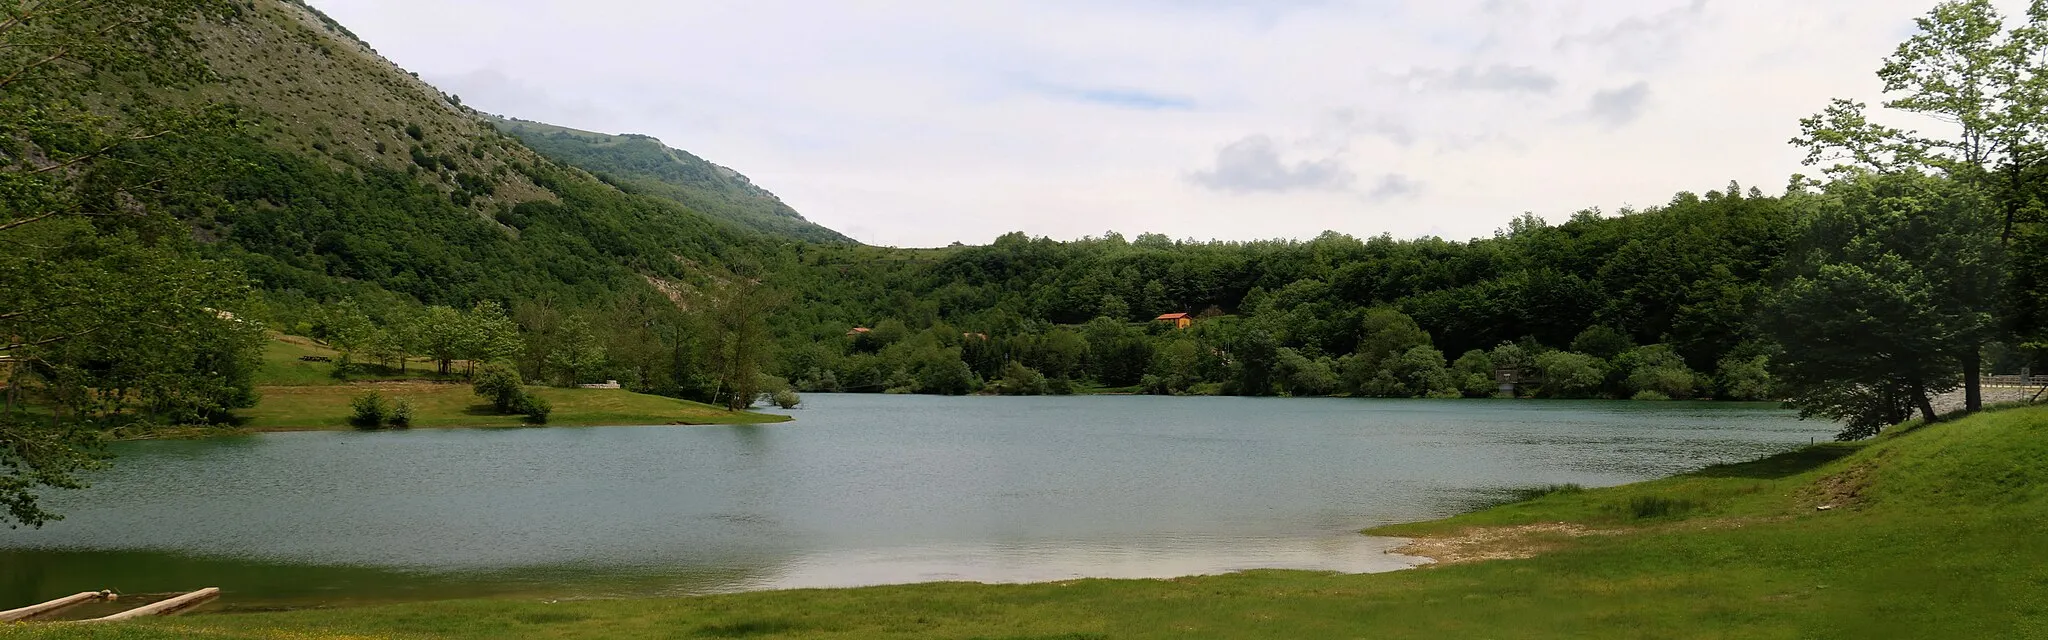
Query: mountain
{"points": [[349, 175], [642, 164]]}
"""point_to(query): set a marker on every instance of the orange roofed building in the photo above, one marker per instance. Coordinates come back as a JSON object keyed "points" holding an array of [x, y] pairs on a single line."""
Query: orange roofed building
{"points": [[1179, 320]]}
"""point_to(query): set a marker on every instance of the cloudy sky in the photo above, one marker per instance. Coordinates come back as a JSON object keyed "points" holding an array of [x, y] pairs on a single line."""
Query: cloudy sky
{"points": [[922, 123]]}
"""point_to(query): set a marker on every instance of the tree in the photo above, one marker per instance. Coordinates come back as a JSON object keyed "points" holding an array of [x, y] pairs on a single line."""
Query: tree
{"points": [[734, 314], [579, 353], [1020, 380], [1570, 375], [442, 334], [1748, 378], [350, 332], [1419, 371], [1893, 304], [501, 385], [395, 342], [1300, 375], [1656, 369], [1385, 333], [1472, 374], [104, 316], [486, 334], [1602, 342], [540, 326], [1964, 68]]}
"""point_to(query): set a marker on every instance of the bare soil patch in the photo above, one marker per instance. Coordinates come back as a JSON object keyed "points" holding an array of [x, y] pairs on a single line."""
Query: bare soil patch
{"points": [[1497, 543]]}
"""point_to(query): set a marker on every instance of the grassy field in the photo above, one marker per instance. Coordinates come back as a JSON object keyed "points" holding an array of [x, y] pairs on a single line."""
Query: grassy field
{"points": [[455, 405], [300, 395], [282, 366], [1935, 532]]}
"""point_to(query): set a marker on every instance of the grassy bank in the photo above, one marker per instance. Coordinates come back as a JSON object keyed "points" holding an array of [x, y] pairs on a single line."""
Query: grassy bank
{"points": [[305, 395], [284, 364], [456, 405], [1928, 533]]}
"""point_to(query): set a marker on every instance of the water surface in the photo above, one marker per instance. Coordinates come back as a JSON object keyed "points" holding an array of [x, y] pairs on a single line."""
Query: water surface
{"points": [[859, 490]]}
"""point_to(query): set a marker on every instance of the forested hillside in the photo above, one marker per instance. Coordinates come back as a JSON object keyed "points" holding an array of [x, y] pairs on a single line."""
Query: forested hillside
{"points": [[641, 164]]}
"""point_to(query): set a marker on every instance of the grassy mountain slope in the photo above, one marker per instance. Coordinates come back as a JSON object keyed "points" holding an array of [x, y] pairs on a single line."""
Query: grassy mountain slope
{"points": [[351, 175], [1930, 532], [641, 164]]}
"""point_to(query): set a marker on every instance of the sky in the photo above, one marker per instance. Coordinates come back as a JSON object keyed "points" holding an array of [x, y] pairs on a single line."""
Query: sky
{"points": [[922, 123]]}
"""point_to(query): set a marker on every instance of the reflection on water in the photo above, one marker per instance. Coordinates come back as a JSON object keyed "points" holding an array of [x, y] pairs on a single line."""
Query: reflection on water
{"points": [[1161, 558], [860, 490]]}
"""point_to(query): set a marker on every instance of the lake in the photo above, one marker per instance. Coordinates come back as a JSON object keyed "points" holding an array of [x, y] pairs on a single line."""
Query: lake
{"points": [[859, 490]]}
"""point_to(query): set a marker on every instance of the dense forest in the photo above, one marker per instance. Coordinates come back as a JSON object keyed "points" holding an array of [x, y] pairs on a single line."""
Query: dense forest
{"points": [[226, 171]]}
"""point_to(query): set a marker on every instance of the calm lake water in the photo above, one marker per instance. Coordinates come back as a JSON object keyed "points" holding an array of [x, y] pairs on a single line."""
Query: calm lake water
{"points": [[861, 489]]}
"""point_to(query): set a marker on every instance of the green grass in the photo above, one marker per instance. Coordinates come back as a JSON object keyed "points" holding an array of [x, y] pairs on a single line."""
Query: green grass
{"points": [[1935, 532], [282, 366], [308, 408], [298, 395]]}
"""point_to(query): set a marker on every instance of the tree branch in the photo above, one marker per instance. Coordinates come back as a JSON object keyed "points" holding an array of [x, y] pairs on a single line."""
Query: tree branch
{"points": [[38, 343]]}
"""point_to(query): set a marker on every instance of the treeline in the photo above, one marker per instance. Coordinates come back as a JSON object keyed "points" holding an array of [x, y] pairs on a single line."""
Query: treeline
{"points": [[1653, 303], [642, 340]]}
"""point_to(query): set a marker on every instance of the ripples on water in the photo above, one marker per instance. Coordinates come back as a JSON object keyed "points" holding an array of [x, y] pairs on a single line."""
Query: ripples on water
{"points": [[859, 490]]}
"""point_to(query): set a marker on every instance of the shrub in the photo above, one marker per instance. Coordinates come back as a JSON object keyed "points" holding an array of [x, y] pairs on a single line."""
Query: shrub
{"points": [[370, 411], [1641, 507], [401, 415], [1531, 493], [1571, 375], [414, 131], [1648, 394], [1020, 380], [536, 409], [500, 384], [787, 399], [1746, 378]]}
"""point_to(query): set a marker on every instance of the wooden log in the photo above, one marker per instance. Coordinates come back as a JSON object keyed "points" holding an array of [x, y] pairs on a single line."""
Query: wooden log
{"points": [[165, 607], [52, 606]]}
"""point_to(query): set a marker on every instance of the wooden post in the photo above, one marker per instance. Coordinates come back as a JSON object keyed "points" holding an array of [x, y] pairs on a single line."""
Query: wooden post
{"points": [[52, 606], [165, 607]]}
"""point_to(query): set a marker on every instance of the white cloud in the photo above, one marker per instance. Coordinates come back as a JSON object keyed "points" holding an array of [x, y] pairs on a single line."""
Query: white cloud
{"points": [[914, 122], [1254, 164], [1619, 106]]}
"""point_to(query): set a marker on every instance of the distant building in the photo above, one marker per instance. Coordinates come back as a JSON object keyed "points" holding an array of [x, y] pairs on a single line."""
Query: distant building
{"points": [[1179, 320], [857, 331]]}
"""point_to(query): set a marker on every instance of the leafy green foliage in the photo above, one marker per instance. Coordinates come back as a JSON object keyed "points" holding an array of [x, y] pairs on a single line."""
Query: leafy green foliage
{"points": [[106, 316], [401, 414], [369, 411], [501, 385], [1570, 375], [1897, 292]]}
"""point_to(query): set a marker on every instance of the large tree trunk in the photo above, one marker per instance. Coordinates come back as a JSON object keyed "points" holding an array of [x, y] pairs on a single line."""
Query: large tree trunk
{"points": [[1926, 404], [1973, 394]]}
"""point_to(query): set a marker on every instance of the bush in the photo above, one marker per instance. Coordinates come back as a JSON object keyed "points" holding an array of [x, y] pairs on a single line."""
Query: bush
{"points": [[1060, 386], [1020, 380], [1648, 394], [1657, 368], [1642, 507], [786, 399], [1571, 375], [1531, 493], [370, 411], [401, 415], [1746, 378], [536, 409], [500, 384]]}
